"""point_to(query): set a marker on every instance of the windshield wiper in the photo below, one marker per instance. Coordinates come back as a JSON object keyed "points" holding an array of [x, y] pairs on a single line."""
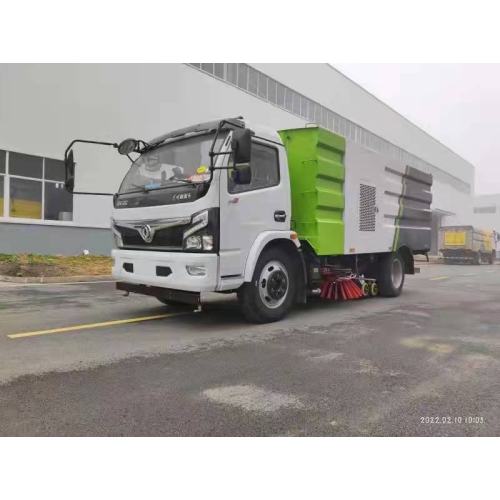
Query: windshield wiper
{"points": [[144, 189]]}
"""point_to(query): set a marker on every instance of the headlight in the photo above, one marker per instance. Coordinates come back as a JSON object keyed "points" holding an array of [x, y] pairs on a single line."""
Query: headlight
{"points": [[201, 235], [192, 243], [208, 242]]}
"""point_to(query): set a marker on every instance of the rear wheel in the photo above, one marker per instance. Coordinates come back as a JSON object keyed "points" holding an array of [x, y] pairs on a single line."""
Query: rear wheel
{"points": [[270, 294], [391, 275]]}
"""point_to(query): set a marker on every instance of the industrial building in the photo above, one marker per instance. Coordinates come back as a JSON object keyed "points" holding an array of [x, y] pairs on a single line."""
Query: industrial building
{"points": [[45, 106]]}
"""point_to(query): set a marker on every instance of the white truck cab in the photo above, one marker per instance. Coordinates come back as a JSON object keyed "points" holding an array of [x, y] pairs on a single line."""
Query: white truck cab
{"points": [[174, 230]]}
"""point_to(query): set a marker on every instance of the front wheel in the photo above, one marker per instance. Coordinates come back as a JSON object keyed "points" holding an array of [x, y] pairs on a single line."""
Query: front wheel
{"points": [[270, 294], [391, 275]]}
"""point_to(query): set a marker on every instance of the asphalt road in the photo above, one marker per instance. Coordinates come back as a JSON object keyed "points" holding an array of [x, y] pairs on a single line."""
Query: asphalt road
{"points": [[424, 364]]}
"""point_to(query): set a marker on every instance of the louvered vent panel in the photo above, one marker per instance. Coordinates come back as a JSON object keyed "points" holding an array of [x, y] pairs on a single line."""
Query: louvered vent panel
{"points": [[367, 203]]}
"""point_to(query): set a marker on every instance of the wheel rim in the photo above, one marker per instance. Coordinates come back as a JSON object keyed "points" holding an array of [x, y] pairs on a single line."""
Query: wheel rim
{"points": [[397, 273], [273, 284]]}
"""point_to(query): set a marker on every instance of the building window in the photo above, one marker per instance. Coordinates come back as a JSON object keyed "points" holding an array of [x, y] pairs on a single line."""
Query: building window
{"points": [[219, 70], [486, 210], [243, 76], [2, 161], [280, 99], [25, 165], [25, 198], [262, 91], [54, 170], [296, 103], [253, 80], [303, 107], [58, 202], [209, 68], [32, 187], [271, 91], [232, 73], [289, 99]]}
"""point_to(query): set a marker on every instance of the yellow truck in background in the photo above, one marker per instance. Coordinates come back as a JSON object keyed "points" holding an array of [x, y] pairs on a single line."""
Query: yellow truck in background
{"points": [[461, 244]]}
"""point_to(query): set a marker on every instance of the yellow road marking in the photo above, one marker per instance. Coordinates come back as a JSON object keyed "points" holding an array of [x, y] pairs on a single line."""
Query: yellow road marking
{"points": [[93, 325], [439, 278]]}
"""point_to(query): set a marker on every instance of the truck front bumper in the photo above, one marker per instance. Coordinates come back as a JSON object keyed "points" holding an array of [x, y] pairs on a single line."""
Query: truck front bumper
{"points": [[190, 272]]}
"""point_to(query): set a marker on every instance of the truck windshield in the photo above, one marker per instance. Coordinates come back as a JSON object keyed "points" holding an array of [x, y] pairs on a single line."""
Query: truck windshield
{"points": [[179, 162]]}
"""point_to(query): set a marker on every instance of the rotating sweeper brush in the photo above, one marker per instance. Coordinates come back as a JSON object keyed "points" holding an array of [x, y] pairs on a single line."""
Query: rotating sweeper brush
{"points": [[339, 285]]}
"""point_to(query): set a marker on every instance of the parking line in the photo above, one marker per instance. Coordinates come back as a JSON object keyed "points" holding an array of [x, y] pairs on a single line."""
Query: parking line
{"points": [[439, 278], [93, 325]]}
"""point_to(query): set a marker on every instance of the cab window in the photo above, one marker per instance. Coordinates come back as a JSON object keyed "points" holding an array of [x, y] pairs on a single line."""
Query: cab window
{"points": [[265, 170]]}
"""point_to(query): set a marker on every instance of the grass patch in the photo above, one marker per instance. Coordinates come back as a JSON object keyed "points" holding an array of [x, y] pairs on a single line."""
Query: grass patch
{"points": [[34, 265]]}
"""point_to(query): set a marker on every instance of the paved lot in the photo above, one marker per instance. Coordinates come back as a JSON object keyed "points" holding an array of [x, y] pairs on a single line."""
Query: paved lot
{"points": [[386, 367]]}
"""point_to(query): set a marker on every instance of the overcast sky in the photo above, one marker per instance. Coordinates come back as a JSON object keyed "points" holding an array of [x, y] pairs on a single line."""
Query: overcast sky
{"points": [[459, 104]]}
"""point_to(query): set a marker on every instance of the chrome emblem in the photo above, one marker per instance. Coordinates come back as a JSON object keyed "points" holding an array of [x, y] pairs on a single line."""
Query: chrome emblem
{"points": [[181, 196], [146, 232]]}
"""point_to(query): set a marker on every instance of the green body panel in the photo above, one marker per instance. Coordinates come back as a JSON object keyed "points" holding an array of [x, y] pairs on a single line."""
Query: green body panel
{"points": [[316, 166]]}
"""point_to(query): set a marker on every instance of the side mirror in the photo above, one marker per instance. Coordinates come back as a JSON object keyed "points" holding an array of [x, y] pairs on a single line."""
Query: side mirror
{"points": [[127, 146], [241, 145], [69, 167], [242, 174]]}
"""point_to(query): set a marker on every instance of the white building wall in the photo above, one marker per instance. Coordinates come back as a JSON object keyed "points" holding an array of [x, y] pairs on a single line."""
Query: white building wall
{"points": [[487, 211], [44, 107]]}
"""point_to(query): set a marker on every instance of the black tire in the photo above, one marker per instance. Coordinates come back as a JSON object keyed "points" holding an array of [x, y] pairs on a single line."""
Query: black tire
{"points": [[274, 306], [391, 275]]}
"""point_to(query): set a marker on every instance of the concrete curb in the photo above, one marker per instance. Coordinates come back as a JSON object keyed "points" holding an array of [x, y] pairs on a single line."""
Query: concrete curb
{"points": [[55, 279]]}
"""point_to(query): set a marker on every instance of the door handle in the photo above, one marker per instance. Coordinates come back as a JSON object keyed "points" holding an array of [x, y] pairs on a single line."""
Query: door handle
{"points": [[280, 216]]}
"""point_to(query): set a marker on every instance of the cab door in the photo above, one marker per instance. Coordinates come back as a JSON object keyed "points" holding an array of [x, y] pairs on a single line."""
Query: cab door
{"points": [[246, 210]]}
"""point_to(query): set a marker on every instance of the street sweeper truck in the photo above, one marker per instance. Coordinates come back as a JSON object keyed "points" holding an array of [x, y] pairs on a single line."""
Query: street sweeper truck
{"points": [[273, 216]]}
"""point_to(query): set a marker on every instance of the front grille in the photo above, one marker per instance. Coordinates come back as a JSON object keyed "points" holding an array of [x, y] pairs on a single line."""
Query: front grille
{"points": [[169, 238]]}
